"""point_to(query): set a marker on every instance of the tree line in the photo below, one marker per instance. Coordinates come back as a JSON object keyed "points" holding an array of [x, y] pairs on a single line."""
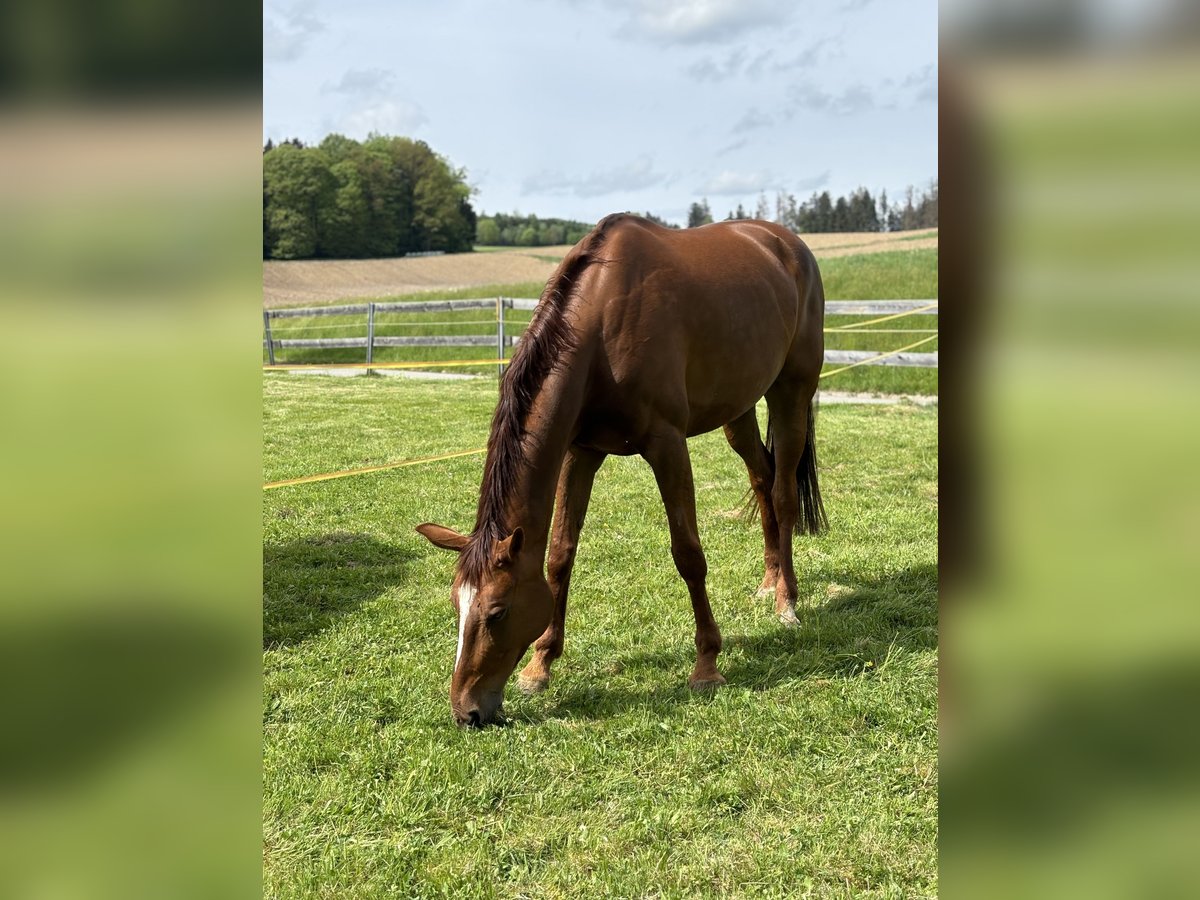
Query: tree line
{"points": [[821, 213], [385, 196], [518, 230]]}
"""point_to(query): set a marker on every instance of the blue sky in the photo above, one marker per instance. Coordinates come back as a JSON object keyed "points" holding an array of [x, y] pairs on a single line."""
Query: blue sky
{"points": [[576, 109]]}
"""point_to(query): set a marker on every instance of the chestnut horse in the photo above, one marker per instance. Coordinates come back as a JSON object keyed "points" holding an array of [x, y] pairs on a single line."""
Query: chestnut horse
{"points": [[644, 336]]}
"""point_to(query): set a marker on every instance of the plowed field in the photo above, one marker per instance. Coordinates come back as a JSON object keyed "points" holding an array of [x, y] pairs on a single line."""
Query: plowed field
{"points": [[295, 283]]}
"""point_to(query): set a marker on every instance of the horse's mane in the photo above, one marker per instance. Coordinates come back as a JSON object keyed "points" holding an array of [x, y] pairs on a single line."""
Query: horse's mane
{"points": [[547, 340]]}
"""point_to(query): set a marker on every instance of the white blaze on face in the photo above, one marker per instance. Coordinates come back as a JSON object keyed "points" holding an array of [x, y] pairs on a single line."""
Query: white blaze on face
{"points": [[466, 596]]}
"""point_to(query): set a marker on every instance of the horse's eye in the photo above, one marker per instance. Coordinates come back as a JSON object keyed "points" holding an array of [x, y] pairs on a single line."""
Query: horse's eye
{"points": [[497, 615]]}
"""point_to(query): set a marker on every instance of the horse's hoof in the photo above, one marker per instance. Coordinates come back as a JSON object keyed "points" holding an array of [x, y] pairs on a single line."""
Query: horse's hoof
{"points": [[528, 685], [708, 682], [788, 618], [763, 592]]}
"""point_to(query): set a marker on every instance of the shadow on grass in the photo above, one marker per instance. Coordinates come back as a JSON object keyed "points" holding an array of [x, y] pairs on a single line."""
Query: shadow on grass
{"points": [[309, 583], [857, 627], [90, 680]]}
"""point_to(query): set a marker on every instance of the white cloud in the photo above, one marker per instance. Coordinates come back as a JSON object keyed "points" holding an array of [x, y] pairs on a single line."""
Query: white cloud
{"points": [[365, 82], [632, 176], [287, 31], [392, 117], [728, 183], [699, 21]]}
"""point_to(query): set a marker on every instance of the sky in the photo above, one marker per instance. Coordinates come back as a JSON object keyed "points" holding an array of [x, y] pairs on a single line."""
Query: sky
{"points": [[575, 109]]}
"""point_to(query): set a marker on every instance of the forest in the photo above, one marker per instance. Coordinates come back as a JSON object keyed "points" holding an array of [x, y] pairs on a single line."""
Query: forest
{"points": [[822, 214], [385, 196]]}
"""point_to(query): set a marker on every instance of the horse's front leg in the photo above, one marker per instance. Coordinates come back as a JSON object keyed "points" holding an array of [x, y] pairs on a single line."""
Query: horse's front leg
{"points": [[571, 503], [668, 457]]}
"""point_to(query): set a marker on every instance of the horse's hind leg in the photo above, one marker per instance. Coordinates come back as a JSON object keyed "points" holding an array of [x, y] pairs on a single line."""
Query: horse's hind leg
{"points": [[743, 436], [791, 416], [574, 491], [668, 457]]}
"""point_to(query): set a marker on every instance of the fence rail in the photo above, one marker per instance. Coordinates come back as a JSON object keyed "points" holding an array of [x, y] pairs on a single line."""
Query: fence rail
{"points": [[502, 341]]}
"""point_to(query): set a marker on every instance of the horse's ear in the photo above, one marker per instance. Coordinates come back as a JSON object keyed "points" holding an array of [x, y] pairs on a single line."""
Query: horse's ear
{"points": [[505, 552], [441, 536]]}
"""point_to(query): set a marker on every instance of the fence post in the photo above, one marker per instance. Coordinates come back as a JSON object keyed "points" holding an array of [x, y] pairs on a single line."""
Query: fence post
{"points": [[267, 332], [370, 333], [500, 336]]}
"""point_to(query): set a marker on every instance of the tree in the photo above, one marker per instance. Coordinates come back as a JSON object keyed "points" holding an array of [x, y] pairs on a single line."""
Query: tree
{"points": [[699, 214], [862, 215], [762, 210], [487, 232], [657, 221], [298, 184], [342, 223]]}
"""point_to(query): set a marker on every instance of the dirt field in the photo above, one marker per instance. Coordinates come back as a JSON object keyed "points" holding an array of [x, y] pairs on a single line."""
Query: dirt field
{"points": [[295, 283]]}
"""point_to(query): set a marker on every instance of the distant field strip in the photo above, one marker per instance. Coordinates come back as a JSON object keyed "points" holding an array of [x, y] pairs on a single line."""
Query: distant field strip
{"points": [[296, 282]]}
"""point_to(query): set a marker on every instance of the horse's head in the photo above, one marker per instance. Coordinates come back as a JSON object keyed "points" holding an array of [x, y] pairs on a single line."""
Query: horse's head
{"points": [[503, 606]]}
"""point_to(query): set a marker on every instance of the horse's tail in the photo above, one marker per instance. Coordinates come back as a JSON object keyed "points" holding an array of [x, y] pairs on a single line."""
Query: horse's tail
{"points": [[812, 518]]}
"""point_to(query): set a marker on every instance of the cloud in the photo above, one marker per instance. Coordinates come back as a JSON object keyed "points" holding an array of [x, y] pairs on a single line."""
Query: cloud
{"points": [[854, 99], [924, 82], [813, 182], [627, 178], [729, 148], [393, 117], [363, 82], [728, 183], [287, 31], [751, 119], [735, 63], [809, 56], [854, 5], [698, 21]]}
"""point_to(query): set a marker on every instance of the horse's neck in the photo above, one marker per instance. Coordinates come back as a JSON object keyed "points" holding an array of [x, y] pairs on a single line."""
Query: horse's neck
{"points": [[550, 427]]}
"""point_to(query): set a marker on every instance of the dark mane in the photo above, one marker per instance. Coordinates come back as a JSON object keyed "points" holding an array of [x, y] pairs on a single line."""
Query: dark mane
{"points": [[547, 340]]}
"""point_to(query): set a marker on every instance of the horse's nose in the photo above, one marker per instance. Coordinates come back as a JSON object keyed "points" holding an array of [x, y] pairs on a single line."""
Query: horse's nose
{"points": [[470, 720]]}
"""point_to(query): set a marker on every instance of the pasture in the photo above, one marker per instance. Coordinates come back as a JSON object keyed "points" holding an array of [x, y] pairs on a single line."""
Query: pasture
{"points": [[812, 773], [898, 274]]}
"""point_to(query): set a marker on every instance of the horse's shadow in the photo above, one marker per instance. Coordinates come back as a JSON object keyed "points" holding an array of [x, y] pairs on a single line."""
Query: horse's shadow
{"points": [[310, 583], [855, 628]]}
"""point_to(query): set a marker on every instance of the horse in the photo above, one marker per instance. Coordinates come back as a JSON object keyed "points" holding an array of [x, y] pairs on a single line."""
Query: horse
{"points": [[643, 337]]}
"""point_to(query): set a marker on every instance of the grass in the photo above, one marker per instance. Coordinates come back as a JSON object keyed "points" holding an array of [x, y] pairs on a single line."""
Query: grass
{"points": [[892, 275], [812, 773]]}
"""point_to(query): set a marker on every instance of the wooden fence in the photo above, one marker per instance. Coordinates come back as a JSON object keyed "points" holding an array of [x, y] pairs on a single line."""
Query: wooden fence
{"points": [[503, 341]]}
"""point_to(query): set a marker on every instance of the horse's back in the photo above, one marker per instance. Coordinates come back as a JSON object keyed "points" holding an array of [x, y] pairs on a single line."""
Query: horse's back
{"points": [[702, 321]]}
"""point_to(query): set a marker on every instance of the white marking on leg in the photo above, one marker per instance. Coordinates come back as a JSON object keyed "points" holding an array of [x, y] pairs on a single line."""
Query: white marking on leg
{"points": [[466, 596]]}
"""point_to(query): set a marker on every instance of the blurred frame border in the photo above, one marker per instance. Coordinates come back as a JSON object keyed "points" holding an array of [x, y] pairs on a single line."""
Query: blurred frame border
{"points": [[130, 626], [1071, 504]]}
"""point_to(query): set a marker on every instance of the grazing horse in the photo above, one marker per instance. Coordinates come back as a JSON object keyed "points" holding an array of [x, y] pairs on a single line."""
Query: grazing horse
{"points": [[644, 336]]}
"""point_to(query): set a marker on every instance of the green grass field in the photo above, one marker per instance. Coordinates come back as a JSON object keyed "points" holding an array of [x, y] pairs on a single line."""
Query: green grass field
{"points": [[812, 773]]}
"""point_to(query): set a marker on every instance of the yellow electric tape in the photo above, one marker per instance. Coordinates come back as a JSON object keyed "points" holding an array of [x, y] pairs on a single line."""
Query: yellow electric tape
{"points": [[871, 359], [345, 473]]}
